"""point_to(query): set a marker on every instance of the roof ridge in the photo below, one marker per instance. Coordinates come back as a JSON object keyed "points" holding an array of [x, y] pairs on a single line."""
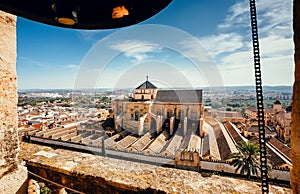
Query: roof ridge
{"points": [[147, 84]]}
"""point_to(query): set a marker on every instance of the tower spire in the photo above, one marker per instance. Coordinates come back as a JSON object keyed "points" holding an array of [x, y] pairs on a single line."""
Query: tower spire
{"points": [[147, 78]]}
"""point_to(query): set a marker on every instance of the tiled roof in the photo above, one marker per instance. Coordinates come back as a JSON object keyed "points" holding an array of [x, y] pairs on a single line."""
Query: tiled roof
{"points": [[252, 108], [205, 144], [172, 145], [157, 145], [126, 142], [183, 96], [223, 146], [234, 134], [194, 143], [266, 110], [255, 129], [272, 157], [226, 114], [277, 102], [212, 141], [142, 142], [186, 139], [285, 150], [147, 85], [288, 109]]}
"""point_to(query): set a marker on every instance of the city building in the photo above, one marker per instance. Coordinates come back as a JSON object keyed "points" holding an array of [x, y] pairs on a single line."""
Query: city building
{"points": [[282, 119], [154, 110]]}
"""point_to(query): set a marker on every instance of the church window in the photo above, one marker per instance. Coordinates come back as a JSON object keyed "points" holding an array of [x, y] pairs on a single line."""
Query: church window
{"points": [[191, 157], [169, 113], [179, 114], [182, 156], [193, 115], [143, 97], [136, 115]]}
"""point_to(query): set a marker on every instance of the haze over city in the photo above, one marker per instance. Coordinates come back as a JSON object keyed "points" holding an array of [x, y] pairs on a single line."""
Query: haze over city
{"points": [[51, 57]]}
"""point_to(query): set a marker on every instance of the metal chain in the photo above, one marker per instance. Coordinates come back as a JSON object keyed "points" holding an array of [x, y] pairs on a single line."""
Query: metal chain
{"points": [[259, 99]]}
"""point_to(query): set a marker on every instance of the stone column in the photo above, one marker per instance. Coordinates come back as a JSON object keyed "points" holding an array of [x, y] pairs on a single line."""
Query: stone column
{"points": [[201, 131], [185, 125], [9, 146], [171, 125], [295, 131], [12, 176], [158, 123]]}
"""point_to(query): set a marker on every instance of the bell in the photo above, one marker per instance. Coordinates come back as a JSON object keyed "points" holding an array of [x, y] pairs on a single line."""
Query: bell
{"points": [[85, 14]]}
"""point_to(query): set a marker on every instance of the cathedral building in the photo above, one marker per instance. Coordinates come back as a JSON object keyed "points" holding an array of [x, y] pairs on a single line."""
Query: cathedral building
{"points": [[282, 119], [153, 110]]}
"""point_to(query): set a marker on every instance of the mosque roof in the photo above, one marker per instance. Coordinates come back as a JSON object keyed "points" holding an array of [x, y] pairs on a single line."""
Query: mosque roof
{"points": [[277, 102], [181, 96], [147, 85]]}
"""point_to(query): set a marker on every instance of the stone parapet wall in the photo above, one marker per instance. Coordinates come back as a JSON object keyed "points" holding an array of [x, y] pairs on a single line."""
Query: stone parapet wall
{"points": [[277, 174], [95, 174], [8, 94]]}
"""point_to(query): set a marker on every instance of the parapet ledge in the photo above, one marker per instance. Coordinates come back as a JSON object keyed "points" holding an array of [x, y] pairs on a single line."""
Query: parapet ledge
{"points": [[95, 174]]}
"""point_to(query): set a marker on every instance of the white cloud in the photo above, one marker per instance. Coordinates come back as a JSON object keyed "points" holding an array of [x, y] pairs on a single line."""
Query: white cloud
{"points": [[237, 15], [89, 35], [72, 66], [223, 43], [274, 46], [231, 47], [139, 50], [195, 50]]}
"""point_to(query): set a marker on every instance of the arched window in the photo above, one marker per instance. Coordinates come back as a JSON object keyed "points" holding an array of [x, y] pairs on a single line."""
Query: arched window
{"points": [[143, 97], [180, 115], [158, 112], [182, 156], [193, 115], [191, 157], [152, 97], [136, 115], [169, 113]]}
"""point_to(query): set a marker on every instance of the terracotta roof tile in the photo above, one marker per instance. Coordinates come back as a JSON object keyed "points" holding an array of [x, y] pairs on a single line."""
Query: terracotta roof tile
{"points": [[285, 150]]}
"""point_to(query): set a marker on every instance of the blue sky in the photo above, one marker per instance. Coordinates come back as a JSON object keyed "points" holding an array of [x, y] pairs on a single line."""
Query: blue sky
{"points": [[52, 57]]}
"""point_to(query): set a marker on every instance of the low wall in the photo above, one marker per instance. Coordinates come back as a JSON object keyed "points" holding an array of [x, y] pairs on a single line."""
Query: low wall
{"points": [[95, 174], [227, 168]]}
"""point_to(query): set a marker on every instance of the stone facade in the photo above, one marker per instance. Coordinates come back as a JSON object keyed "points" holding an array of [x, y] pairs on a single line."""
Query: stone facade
{"points": [[8, 94], [152, 110], [295, 130]]}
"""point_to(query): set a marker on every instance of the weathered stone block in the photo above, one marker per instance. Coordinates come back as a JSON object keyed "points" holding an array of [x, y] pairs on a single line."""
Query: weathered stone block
{"points": [[95, 174], [9, 147]]}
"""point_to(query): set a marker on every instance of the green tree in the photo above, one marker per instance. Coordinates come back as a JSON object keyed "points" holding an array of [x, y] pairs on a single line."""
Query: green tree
{"points": [[247, 160]]}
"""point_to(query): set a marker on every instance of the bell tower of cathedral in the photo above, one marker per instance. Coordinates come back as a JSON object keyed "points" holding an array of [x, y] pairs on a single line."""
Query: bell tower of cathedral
{"points": [[145, 92]]}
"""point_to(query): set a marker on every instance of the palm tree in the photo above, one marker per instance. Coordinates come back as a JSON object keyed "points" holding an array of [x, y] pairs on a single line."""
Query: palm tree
{"points": [[247, 160]]}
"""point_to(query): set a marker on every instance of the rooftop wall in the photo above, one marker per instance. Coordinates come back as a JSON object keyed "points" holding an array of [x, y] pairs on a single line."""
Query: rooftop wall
{"points": [[95, 174]]}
